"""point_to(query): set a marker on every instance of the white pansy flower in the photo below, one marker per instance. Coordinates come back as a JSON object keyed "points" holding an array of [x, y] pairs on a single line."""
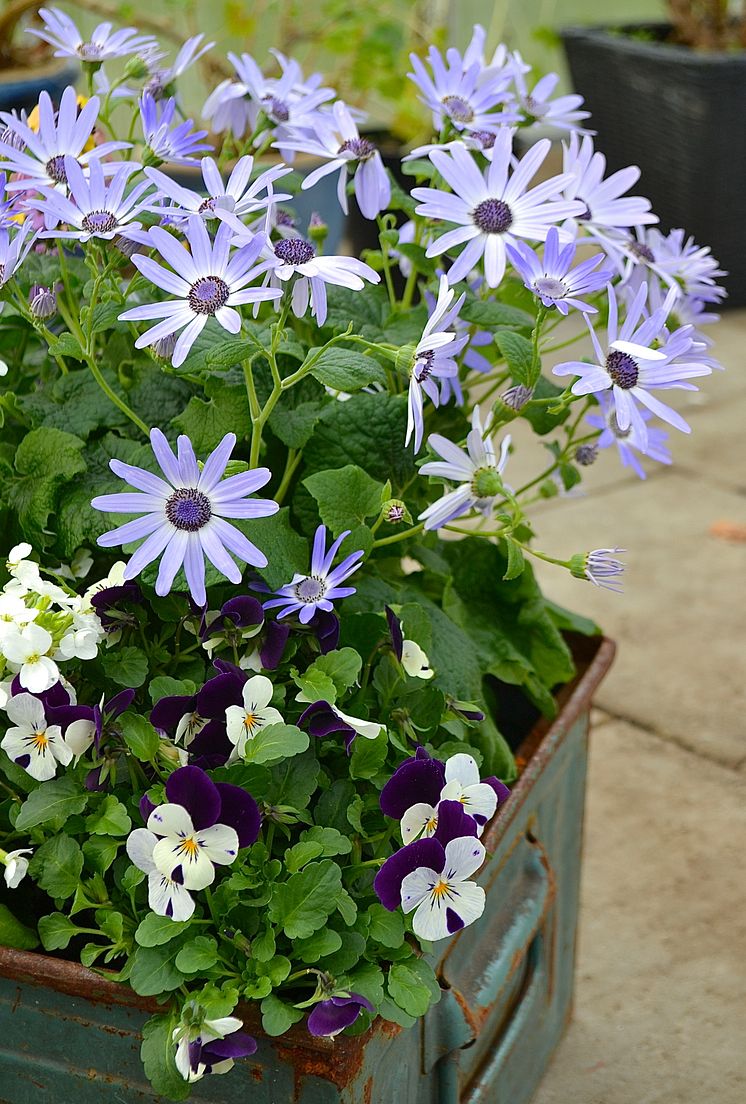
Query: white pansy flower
{"points": [[414, 661], [16, 865], [34, 745], [188, 855], [444, 901], [165, 896], [463, 784], [243, 722], [14, 611], [26, 649]]}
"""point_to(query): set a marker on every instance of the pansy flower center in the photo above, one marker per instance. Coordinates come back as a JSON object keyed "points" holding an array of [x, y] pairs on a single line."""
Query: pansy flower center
{"points": [[362, 148], [251, 718], [295, 251], [486, 483], [189, 847], [310, 589], [189, 509], [623, 369], [208, 295], [55, 169], [40, 740], [99, 222], [441, 889], [492, 216], [458, 109]]}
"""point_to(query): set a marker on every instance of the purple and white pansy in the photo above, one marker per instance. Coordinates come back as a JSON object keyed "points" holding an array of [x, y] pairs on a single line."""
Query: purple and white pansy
{"points": [[206, 1045], [243, 721]]}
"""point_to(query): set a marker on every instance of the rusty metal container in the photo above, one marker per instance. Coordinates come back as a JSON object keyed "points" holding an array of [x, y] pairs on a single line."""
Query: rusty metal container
{"points": [[67, 1034]]}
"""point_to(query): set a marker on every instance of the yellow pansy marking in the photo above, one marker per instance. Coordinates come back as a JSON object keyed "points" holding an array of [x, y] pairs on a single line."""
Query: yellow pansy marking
{"points": [[189, 847], [440, 889], [431, 824], [40, 741]]}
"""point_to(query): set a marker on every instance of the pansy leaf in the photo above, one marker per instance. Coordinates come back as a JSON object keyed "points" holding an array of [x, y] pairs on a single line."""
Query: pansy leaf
{"points": [[139, 735], [277, 1016], [319, 945], [57, 865], [51, 803], [110, 819], [275, 741], [302, 904], [56, 931], [199, 954], [15, 934], [126, 666], [332, 841], [155, 930], [154, 970], [157, 1054]]}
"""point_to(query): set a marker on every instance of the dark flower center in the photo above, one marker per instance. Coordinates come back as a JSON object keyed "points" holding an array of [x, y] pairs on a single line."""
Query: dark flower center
{"points": [[533, 107], [641, 251], [586, 215], [99, 222], [458, 109], [295, 251], [89, 51], [189, 509], [361, 147], [492, 216], [423, 366], [276, 109], [485, 138], [55, 168], [208, 295], [622, 368], [310, 589]]}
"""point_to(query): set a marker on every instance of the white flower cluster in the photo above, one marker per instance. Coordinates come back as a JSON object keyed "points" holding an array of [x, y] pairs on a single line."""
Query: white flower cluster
{"points": [[42, 625]]}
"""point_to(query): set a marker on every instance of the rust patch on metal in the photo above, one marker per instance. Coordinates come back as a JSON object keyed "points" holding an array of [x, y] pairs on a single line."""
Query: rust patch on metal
{"points": [[17, 1000], [368, 1091], [473, 1019], [257, 1073], [339, 1061]]}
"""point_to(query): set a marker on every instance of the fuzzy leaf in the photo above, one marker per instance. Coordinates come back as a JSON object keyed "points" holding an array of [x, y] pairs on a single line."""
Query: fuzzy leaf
{"points": [[302, 904], [345, 497]]}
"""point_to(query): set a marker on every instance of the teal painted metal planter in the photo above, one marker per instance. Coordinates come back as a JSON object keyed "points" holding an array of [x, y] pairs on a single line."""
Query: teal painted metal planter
{"points": [[68, 1034]]}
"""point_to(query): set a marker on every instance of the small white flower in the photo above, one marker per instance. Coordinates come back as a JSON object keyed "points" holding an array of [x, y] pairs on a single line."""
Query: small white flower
{"points": [[444, 901], [27, 648], [5, 692], [165, 896], [185, 854], [243, 722], [190, 1038], [16, 865], [3, 368], [82, 638], [31, 743], [17, 553], [414, 661], [463, 784], [14, 611]]}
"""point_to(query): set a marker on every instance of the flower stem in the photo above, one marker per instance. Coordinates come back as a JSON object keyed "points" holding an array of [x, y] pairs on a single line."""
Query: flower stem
{"points": [[395, 537]]}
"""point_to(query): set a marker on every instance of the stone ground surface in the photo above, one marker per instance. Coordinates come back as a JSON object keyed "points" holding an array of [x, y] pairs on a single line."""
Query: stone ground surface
{"points": [[660, 1015]]}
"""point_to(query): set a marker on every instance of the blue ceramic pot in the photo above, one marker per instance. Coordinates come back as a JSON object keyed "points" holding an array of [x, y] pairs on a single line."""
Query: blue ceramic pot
{"points": [[21, 88]]}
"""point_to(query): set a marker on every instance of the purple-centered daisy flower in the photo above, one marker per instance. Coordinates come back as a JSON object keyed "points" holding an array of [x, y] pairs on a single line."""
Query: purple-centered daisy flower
{"points": [[184, 514], [95, 208], [536, 105], [331, 1016], [631, 367], [207, 280], [61, 32], [605, 209], [552, 278], [239, 195], [433, 358], [287, 100], [627, 440], [677, 261], [478, 471], [8, 212], [305, 594], [161, 80], [337, 141], [14, 249], [492, 208], [163, 140], [42, 163]]}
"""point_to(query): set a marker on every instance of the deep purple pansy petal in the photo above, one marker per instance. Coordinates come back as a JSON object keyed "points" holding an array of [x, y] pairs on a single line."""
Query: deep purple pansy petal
{"points": [[211, 747], [220, 692], [117, 705], [326, 626], [329, 1017], [190, 787], [272, 647], [166, 713], [146, 807], [237, 1045], [319, 719], [397, 639], [417, 779], [243, 611], [388, 880], [453, 822], [239, 810]]}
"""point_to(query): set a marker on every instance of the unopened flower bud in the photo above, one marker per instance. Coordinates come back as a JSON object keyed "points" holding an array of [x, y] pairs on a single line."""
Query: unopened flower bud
{"points": [[285, 218], [517, 397], [585, 455], [136, 69], [317, 229], [164, 347], [42, 301]]}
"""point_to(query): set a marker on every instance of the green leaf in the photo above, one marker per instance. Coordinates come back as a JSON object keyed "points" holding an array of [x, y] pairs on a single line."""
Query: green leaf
{"points": [[100, 852], [387, 928], [516, 561], [56, 931], [332, 841], [489, 313], [537, 414], [332, 805], [155, 930], [287, 552], [45, 460], [519, 354], [301, 854], [139, 735], [342, 666], [302, 904], [163, 686], [569, 621], [319, 945], [154, 970], [294, 425], [367, 431], [51, 802], [230, 352], [345, 497], [157, 1054], [199, 954], [344, 370], [110, 819], [278, 1017], [417, 255], [413, 986], [275, 741], [127, 666], [315, 685], [368, 756], [57, 865], [206, 421], [15, 934], [67, 345]]}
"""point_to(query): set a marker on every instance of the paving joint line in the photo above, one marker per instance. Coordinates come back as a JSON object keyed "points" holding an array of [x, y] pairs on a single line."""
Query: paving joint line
{"points": [[670, 738]]}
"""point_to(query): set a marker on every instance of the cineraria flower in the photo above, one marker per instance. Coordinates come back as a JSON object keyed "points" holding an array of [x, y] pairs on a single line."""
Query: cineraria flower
{"points": [[536, 106], [600, 567], [676, 260], [207, 281], [184, 514], [16, 865], [331, 1016], [552, 278], [32, 743], [339, 140], [208, 1045], [27, 651], [631, 368], [627, 440], [67, 134], [305, 594], [478, 471], [95, 208], [163, 140], [13, 251], [229, 108], [8, 213], [492, 208], [287, 100], [202, 824], [434, 357], [322, 719], [240, 195], [242, 722], [604, 206], [60, 31], [461, 91], [161, 81]]}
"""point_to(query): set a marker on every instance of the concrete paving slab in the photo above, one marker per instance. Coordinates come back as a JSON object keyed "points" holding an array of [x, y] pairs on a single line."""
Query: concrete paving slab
{"points": [[660, 1001], [681, 668], [716, 449]]}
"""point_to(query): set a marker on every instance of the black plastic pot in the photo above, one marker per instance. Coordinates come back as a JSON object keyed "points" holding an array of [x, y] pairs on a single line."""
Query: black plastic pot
{"points": [[679, 115]]}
